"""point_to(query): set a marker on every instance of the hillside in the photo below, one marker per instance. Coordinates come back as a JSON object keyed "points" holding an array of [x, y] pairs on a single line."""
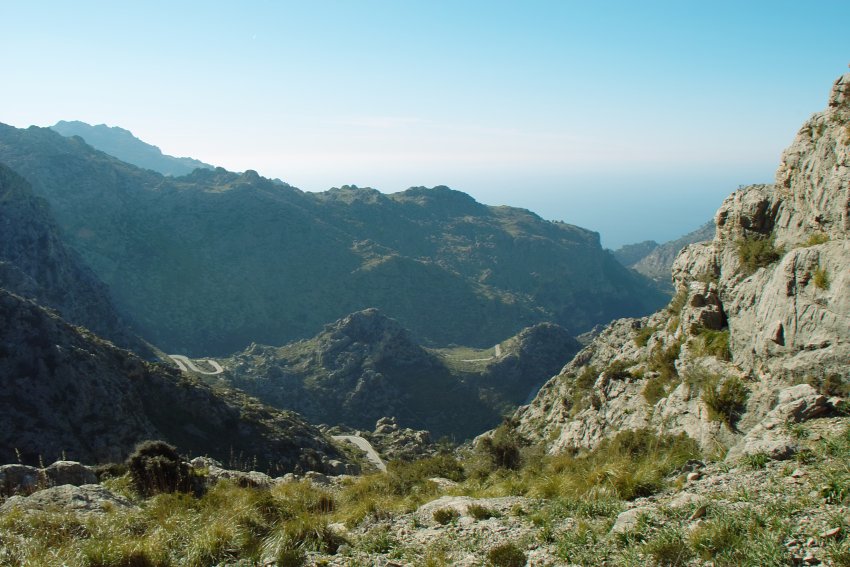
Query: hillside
{"points": [[36, 263], [68, 393], [366, 366], [656, 260], [211, 262], [121, 144], [756, 338]]}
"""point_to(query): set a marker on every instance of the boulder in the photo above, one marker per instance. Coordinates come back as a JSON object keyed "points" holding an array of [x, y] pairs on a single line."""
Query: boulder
{"points": [[18, 479], [252, 479], [69, 472], [89, 498]]}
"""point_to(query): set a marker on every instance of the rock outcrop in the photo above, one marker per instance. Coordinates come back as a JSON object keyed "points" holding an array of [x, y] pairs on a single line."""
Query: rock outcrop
{"points": [[761, 310]]}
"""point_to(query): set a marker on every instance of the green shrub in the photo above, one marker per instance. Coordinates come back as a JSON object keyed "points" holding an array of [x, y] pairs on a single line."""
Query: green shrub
{"points": [[757, 252], [506, 555], [726, 399], [618, 370], [643, 335], [713, 343], [663, 360], [756, 460], [821, 278], [445, 516], [678, 302], [155, 467], [503, 447], [480, 512], [817, 238], [655, 389], [668, 548]]}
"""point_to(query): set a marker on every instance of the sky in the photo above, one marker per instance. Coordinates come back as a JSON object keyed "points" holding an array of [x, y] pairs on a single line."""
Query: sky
{"points": [[633, 119]]}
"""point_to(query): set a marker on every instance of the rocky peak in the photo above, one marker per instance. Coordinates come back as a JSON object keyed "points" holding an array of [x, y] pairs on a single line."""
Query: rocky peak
{"points": [[813, 179], [760, 309]]}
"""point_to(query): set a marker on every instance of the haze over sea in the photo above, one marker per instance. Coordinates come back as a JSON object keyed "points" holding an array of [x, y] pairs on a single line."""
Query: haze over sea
{"points": [[632, 119]]}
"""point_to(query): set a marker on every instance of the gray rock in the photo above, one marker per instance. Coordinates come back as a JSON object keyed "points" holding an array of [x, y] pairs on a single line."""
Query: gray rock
{"points": [[252, 479], [87, 498], [628, 520], [18, 479], [69, 472]]}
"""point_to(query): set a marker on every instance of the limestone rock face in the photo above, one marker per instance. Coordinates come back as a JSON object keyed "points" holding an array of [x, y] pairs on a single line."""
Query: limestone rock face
{"points": [[765, 304]]}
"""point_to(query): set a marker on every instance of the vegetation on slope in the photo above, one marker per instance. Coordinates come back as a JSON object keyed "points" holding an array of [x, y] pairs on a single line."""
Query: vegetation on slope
{"points": [[572, 503]]}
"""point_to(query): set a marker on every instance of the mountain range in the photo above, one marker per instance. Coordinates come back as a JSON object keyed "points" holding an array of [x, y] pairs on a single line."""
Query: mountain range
{"points": [[210, 262]]}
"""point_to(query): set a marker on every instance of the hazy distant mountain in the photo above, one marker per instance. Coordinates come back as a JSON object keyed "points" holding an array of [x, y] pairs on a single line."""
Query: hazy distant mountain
{"points": [[656, 261], [122, 144], [629, 254], [366, 366], [210, 262]]}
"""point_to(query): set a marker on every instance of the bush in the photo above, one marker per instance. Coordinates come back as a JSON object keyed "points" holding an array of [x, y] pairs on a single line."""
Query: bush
{"points": [[445, 515], [678, 302], [156, 467], [817, 238], [503, 447], [663, 360], [655, 389], [668, 548], [757, 252], [726, 399], [480, 512], [506, 555], [643, 335], [821, 278], [713, 343]]}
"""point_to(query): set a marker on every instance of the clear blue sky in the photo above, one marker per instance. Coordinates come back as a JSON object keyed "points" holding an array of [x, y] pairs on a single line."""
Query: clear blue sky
{"points": [[631, 118]]}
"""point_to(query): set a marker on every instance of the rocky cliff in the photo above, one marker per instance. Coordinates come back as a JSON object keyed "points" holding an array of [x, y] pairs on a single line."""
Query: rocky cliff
{"points": [[366, 366], [758, 334], [67, 393], [209, 262]]}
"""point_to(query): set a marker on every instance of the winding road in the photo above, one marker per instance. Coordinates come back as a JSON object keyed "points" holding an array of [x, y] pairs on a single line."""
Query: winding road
{"points": [[367, 448], [187, 365]]}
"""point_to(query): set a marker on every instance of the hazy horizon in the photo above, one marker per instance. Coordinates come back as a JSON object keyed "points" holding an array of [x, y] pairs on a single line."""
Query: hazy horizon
{"points": [[631, 120]]}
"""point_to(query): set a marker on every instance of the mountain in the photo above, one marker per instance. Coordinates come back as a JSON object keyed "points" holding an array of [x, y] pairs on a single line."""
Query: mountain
{"points": [[757, 337], [35, 263], [366, 366], [213, 261], [67, 393], [629, 254], [655, 260], [121, 143]]}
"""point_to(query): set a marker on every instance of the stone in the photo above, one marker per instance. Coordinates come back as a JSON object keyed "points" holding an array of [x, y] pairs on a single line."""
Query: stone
{"points": [[88, 498], [204, 463], [628, 520], [18, 479], [70, 472], [252, 479], [834, 532]]}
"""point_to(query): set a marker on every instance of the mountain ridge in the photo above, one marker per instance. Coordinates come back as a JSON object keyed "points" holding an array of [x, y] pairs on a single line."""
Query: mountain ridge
{"points": [[123, 145], [231, 259]]}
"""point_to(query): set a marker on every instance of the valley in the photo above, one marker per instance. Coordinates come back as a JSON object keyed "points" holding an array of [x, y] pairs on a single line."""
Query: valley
{"points": [[353, 371]]}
